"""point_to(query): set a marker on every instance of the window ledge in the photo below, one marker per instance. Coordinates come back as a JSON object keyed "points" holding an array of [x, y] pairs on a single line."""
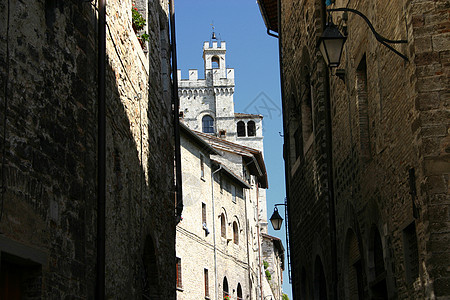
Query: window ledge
{"points": [[203, 178], [207, 297], [180, 289]]}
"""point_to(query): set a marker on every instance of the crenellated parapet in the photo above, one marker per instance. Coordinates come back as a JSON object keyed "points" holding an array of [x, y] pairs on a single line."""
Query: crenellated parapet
{"points": [[189, 92]]}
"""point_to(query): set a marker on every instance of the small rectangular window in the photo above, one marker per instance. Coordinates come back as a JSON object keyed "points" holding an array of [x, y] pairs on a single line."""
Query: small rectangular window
{"points": [[179, 283], [206, 282], [202, 166], [233, 193], [203, 213]]}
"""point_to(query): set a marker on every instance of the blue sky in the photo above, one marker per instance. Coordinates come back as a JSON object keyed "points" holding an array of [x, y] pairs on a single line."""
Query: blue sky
{"points": [[254, 56]]}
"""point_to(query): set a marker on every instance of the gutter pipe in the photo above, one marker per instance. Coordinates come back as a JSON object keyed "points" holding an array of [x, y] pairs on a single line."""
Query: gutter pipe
{"points": [[101, 152], [176, 119], [216, 288]]}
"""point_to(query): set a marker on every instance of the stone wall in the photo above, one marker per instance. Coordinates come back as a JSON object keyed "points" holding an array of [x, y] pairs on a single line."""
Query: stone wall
{"points": [[389, 150], [49, 68]]}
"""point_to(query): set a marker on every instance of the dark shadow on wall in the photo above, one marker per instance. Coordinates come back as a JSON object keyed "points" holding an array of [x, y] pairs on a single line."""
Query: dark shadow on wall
{"points": [[48, 71]]}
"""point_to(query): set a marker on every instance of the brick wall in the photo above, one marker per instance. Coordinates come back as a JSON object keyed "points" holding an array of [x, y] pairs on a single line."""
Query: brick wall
{"points": [[389, 148]]}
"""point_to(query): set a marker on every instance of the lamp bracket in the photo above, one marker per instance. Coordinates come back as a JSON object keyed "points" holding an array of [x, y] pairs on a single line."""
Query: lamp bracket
{"points": [[378, 36]]}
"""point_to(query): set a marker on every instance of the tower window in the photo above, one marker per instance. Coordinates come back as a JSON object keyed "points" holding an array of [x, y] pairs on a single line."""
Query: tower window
{"points": [[251, 128], [240, 128], [208, 124], [215, 62]]}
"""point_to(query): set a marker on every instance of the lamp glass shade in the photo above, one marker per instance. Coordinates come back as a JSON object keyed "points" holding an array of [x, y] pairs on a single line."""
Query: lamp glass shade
{"points": [[331, 45], [276, 220]]}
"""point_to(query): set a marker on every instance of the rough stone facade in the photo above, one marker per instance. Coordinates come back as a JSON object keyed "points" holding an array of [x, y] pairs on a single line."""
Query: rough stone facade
{"points": [[230, 187], [48, 207], [389, 162]]}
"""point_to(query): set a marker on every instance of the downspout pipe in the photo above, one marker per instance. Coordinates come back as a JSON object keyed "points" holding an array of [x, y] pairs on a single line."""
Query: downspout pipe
{"points": [[101, 152], [176, 119], [216, 287]]}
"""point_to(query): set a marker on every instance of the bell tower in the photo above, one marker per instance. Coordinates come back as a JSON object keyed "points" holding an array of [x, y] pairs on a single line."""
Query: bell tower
{"points": [[207, 104], [214, 59]]}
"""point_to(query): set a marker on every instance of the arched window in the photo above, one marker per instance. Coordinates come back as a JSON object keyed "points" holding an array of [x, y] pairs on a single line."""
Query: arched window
{"points": [[239, 292], [225, 287], [354, 270], [235, 233], [223, 226], [215, 62], [240, 128], [208, 124], [304, 290], [251, 128]]}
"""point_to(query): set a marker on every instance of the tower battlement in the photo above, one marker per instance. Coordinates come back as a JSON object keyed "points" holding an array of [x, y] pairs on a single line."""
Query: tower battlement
{"points": [[214, 46]]}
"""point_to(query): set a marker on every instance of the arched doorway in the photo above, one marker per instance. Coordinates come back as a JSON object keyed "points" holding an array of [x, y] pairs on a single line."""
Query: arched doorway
{"points": [[353, 268], [320, 283], [378, 271], [150, 289]]}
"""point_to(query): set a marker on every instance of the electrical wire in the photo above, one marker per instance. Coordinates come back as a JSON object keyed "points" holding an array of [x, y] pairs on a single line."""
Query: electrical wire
{"points": [[5, 93]]}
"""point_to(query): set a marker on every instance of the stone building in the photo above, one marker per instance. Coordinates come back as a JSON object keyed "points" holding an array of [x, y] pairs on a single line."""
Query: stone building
{"points": [[366, 148], [48, 211], [219, 240]]}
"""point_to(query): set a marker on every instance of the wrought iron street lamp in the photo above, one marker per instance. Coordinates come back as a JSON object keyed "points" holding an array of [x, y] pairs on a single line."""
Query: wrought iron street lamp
{"points": [[331, 43], [276, 219]]}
